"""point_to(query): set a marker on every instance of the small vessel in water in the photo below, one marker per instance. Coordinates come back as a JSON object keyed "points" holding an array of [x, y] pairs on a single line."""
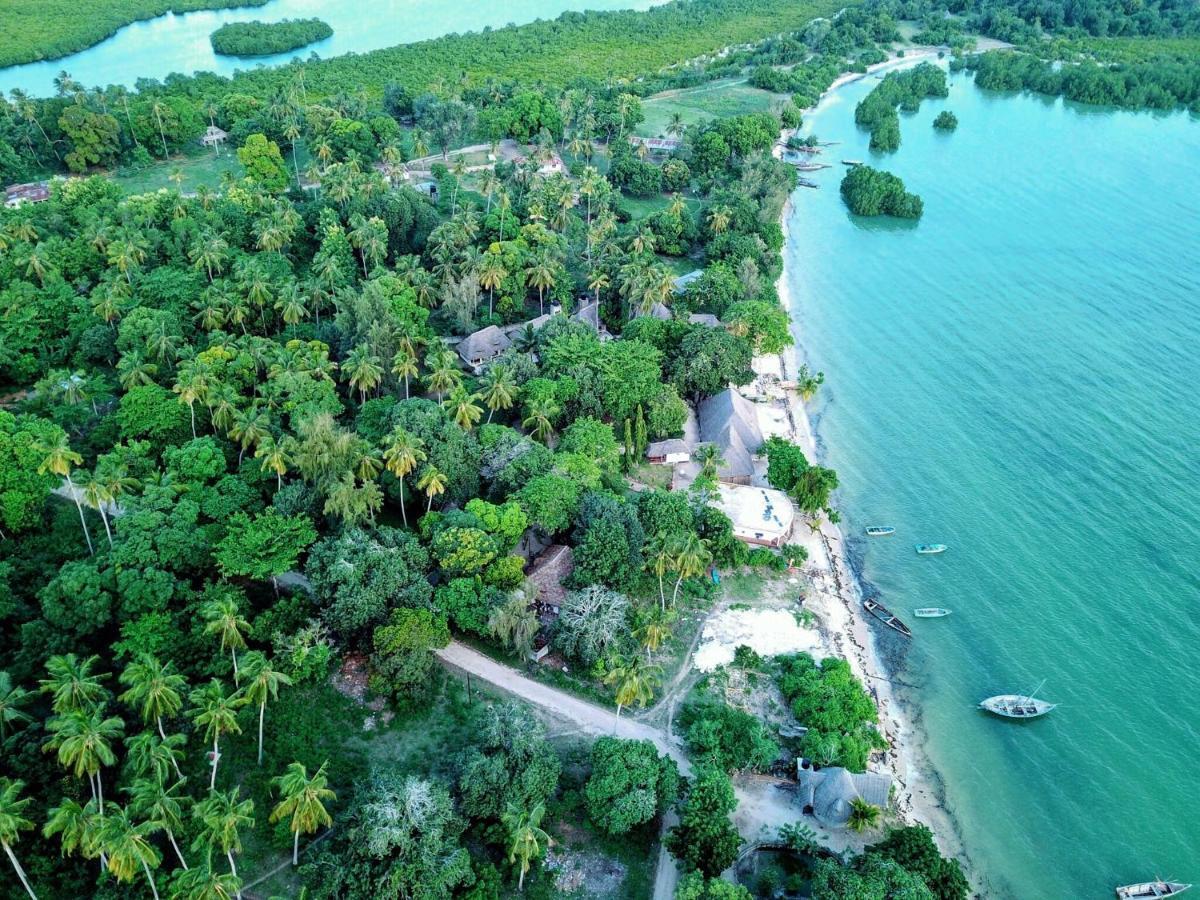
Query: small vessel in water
{"points": [[929, 549], [886, 616], [930, 612], [1151, 889], [1017, 706], [880, 530], [852, 162]]}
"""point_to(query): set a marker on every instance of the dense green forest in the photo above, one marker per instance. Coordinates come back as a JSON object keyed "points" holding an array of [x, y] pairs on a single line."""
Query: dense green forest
{"points": [[872, 192], [47, 29], [902, 91], [265, 38]]}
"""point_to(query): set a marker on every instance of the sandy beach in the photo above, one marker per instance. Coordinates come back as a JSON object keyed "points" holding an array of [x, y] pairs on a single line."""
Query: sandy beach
{"points": [[837, 593]]}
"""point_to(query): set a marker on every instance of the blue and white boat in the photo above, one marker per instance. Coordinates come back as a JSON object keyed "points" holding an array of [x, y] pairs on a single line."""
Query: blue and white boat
{"points": [[880, 530], [929, 549]]}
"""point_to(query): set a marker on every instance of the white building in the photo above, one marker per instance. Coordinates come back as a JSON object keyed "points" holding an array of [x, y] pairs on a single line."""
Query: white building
{"points": [[759, 515]]}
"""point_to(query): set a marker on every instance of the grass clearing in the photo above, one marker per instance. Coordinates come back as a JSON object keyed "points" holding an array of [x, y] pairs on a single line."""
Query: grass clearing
{"points": [[728, 97], [204, 167]]}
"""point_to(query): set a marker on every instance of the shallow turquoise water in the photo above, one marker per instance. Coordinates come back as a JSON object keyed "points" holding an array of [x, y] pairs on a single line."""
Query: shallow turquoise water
{"points": [[180, 43], [1016, 376]]}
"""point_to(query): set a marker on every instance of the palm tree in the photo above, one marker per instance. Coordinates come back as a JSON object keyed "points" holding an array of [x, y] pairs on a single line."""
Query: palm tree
{"points": [[659, 559], [491, 276], [202, 883], [157, 110], [12, 823], [303, 802], [363, 370], [156, 688], [12, 698], [692, 557], [162, 807], [216, 713], [150, 755], [540, 420], [444, 374], [72, 686], [464, 408], [597, 282], [223, 618], [222, 816], [655, 630], [84, 744], [719, 219], [58, 458], [209, 254], [433, 483], [635, 682], [96, 495], [863, 815], [676, 126], [540, 274], [264, 685], [499, 391], [526, 837], [276, 457], [710, 458], [807, 383], [128, 846], [401, 454]]}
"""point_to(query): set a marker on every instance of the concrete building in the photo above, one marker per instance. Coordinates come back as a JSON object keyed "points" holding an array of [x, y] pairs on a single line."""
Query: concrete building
{"points": [[762, 516]]}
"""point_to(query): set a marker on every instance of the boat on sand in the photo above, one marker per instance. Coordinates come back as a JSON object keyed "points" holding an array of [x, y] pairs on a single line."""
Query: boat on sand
{"points": [[930, 612], [886, 616], [1017, 706], [880, 530], [1151, 889], [929, 549]]}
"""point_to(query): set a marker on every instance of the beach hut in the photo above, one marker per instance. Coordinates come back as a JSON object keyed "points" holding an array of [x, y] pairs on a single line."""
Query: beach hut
{"points": [[668, 452], [827, 794], [481, 347], [730, 421], [214, 136]]}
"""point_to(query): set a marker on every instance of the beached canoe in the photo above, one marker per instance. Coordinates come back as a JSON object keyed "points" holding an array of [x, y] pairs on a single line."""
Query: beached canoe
{"points": [[1151, 889], [930, 612], [928, 549], [887, 617], [880, 530], [1016, 706]]}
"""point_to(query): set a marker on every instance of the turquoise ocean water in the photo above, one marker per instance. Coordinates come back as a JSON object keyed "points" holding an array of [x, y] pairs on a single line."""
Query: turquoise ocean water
{"points": [[1018, 376]]}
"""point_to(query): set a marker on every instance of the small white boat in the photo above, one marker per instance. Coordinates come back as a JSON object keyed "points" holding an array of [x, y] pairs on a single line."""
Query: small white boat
{"points": [[880, 530], [1017, 706], [930, 612], [1151, 889], [928, 549]]}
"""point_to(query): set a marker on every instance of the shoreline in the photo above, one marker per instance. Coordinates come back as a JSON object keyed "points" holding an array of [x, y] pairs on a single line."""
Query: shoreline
{"points": [[838, 589]]}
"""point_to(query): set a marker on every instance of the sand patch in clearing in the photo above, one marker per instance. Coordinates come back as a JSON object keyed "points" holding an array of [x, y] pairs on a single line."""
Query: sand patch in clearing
{"points": [[768, 632]]}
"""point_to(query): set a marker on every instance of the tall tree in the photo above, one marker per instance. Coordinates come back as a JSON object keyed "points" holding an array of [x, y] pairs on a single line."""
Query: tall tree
{"points": [[58, 458], [162, 807], [303, 802], [224, 619], [263, 684], [84, 741], [216, 713], [222, 816], [128, 846], [12, 698], [156, 690], [12, 823], [526, 838]]}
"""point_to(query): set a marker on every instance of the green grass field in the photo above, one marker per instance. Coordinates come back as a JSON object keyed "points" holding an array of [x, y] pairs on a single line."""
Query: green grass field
{"points": [[729, 97], [203, 168]]}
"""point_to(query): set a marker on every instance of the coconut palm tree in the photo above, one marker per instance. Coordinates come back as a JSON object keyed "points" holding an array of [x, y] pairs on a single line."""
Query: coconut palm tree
{"points": [[404, 365], [539, 421], [863, 815], [710, 458], [276, 457], [719, 219], [491, 276], [223, 618], [464, 408], [72, 685], [12, 823], [152, 756], [444, 373], [433, 483], [58, 458], [128, 846], [540, 274], [12, 698], [156, 689], [162, 807], [202, 883], [221, 817], [676, 126], [655, 630], [660, 558], [263, 684], [84, 743], [363, 370], [634, 682], [216, 713], [303, 802], [401, 454], [498, 390], [209, 254], [692, 557], [526, 838]]}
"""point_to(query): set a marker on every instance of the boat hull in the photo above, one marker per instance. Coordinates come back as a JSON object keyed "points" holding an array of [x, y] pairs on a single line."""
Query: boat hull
{"points": [[931, 612], [887, 617], [930, 549], [880, 531], [1151, 889], [1014, 706]]}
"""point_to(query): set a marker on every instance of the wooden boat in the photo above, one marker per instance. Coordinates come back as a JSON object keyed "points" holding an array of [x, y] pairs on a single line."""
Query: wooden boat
{"points": [[1151, 889], [929, 549], [930, 612], [852, 162], [1017, 706], [804, 182], [880, 530], [886, 616]]}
